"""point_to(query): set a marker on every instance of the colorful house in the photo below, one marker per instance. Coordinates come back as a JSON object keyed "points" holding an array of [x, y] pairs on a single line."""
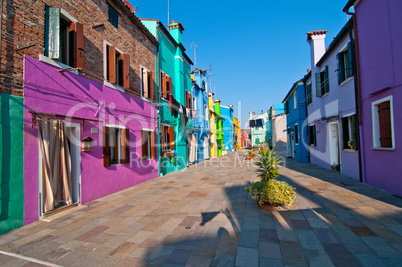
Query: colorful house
{"points": [[91, 99], [245, 138], [237, 134], [275, 135], [228, 127], [174, 95], [296, 127], [212, 120], [379, 88], [11, 162], [219, 127], [258, 127], [331, 104], [200, 105]]}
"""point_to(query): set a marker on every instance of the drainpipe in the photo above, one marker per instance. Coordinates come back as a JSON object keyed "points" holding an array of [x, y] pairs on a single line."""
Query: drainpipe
{"points": [[362, 168], [158, 101]]}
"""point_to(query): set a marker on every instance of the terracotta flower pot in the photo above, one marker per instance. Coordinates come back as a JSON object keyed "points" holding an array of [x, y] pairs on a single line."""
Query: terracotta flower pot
{"points": [[267, 206]]}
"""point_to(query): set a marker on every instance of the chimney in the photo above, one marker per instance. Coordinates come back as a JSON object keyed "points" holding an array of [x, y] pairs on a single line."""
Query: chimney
{"points": [[176, 30], [251, 115], [316, 39], [308, 70]]}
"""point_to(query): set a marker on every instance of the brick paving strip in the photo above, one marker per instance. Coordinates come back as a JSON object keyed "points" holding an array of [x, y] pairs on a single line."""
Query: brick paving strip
{"points": [[202, 216]]}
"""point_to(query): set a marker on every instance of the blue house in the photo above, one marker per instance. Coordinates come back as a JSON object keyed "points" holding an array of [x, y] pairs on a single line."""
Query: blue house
{"points": [[228, 127], [201, 125], [296, 127]]}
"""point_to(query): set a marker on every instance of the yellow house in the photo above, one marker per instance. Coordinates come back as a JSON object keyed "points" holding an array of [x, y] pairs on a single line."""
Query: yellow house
{"points": [[236, 133], [214, 144]]}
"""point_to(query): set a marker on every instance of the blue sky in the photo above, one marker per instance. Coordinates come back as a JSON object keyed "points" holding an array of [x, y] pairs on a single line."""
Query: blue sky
{"points": [[258, 49]]}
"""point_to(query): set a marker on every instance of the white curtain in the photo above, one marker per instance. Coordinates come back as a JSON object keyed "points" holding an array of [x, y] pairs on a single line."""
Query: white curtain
{"points": [[56, 164], [206, 148]]}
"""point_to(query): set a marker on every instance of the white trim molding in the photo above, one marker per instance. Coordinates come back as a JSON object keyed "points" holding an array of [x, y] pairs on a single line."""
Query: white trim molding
{"points": [[376, 123]]}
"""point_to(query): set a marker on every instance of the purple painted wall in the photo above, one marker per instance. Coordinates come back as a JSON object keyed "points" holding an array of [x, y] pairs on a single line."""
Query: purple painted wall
{"points": [[379, 25], [339, 102], [49, 91]]}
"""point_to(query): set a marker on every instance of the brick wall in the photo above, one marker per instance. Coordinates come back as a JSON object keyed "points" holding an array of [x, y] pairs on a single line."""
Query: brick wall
{"points": [[24, 25]]}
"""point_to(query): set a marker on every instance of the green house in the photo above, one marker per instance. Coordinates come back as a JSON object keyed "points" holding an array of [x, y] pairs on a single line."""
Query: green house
{"points": [[173, 94]]}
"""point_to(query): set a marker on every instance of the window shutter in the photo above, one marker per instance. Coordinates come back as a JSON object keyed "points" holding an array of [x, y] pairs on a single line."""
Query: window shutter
{"points": [[125, 146], [355, 128], [111, 73], [296, 133], [351, 57], [106, 148], [169, 86], [287, 107], [76, 43], [163, 87], [52, 29], [314, 136], [145, 86], [326, 79], [171, 137], [153, 147], [384, 116], [150, 85], [318, 84], [345, 132], [126, 71], [144, 144], [339, 64]]}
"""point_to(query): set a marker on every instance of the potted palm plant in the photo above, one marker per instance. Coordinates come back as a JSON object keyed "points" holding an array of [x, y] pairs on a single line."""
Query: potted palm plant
{"points": [[269, 192]]}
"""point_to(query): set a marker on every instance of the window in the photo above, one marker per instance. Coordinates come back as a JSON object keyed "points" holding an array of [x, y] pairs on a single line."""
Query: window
{"points": [[64, 38], [194, 103], [345, 60], [309, 94], [113, 17], [349, 132], [166, 85], [147, 84], [296, 134], [312, 135], [206, 112], [117, 67], [322, 82], [188, 99], [167, 137], [116, 149], [295, 100], [148, 146], [383, 123]]}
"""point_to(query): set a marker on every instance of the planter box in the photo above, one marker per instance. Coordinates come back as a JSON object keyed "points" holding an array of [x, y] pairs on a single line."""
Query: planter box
{"points": [[168, 154]]}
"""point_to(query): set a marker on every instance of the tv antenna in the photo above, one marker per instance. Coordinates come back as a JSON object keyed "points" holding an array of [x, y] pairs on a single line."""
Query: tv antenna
{"points": [[195, 53]]}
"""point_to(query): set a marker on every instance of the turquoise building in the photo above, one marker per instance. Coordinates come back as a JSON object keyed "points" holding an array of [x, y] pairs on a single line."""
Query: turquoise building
{"points": [[228, 127], [174, 94]]}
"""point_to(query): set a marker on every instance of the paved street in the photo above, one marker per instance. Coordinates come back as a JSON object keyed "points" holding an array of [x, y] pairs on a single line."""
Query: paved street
{"points": [[202, 216]]}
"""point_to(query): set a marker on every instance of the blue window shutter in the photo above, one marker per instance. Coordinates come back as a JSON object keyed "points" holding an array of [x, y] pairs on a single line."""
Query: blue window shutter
{"points": [[52, 32], [326, 79], [351, 56], [318, 84], [339, 61]]}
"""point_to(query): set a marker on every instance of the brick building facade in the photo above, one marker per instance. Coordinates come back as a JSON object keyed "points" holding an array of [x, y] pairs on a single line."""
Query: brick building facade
{"points": [[24, 32]]}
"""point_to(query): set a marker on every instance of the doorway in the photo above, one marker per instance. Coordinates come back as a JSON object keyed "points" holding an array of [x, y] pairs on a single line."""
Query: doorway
{"points": [[334, 146], [291, 146], [59, 165]]}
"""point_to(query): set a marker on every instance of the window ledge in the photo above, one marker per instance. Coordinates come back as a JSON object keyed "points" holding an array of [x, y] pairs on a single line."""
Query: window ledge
{"points": [[325, 95], [384, 148], [348, 150], [346, 81], [55, 63], [114, 86]]}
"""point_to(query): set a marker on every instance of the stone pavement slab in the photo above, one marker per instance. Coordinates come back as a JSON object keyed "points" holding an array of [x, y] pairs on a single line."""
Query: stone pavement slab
{"points": [[202, 216]]}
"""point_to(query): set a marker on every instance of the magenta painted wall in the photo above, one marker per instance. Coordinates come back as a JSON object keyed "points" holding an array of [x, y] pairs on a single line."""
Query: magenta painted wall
{"points": [[379, 25], [49, 91]]}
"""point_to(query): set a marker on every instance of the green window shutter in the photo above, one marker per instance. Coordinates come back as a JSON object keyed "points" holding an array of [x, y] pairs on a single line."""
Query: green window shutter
{"points": [[318, 84], [345, 132], [326, 79], [52, 32], [354, 130], [340, 69], [351, 56]]}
